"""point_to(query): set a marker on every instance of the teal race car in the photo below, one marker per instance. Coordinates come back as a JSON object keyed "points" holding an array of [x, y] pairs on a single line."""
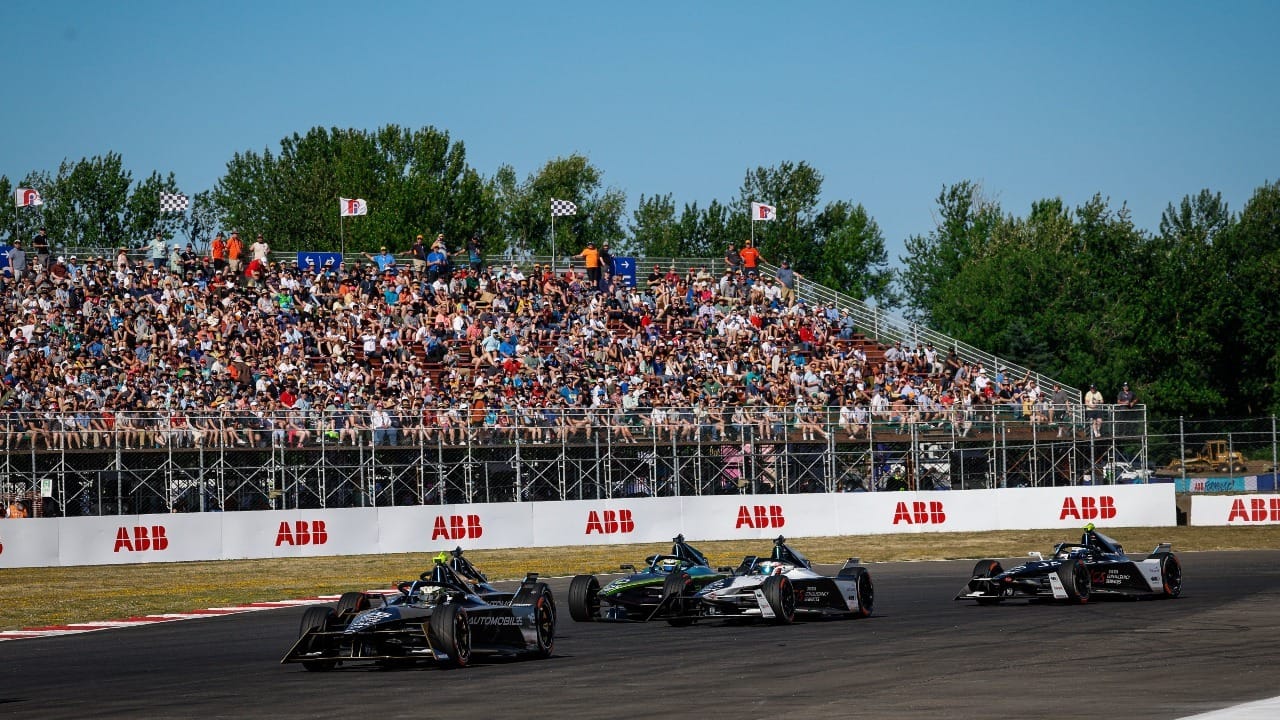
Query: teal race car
{"points": [[656, 592]]}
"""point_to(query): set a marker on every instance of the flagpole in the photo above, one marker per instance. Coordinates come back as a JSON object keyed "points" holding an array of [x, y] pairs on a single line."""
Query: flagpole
{"points": [[553, 241], [752, 215]]}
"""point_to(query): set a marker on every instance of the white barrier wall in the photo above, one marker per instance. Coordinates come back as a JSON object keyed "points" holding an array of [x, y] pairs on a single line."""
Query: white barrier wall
{"points": [[360, 531], [1235, 510]]}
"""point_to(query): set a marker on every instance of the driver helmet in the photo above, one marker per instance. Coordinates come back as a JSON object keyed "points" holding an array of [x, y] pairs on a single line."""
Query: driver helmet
{"points": [[770, 567], [669, 564]]}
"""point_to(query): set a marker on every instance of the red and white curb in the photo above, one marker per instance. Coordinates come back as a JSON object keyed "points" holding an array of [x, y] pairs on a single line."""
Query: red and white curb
{"points": [[139, 621]]}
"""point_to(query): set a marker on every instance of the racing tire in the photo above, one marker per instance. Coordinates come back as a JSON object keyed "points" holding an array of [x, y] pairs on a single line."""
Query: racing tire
{"points": [[351, 603], [675, 591], [1076, 581], [318, 618], [544, 621], [987, 569], [449, 632], [1170, 575], [865, 591], [781, 597], [584, 598]]}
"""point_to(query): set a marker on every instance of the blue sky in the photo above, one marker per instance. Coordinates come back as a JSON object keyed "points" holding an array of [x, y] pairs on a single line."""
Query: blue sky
{"points": [[1144, 102]]}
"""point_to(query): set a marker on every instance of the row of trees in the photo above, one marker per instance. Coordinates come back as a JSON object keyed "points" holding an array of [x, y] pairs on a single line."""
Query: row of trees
{"points": [[1187, 314]]}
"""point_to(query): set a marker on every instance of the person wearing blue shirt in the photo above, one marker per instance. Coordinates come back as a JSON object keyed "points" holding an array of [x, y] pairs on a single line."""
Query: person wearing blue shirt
{"points": [[385, 261]]}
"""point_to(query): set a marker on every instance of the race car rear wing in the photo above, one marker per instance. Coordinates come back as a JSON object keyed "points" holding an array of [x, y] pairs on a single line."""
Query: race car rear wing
{"points": [[1163, 547]]}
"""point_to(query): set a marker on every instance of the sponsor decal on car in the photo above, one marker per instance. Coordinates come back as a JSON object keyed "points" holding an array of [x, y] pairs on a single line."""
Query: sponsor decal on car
{"points": [[368, 619], [497, 620]]}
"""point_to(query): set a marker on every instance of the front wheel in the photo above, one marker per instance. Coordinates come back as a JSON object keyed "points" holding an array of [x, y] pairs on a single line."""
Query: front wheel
{"points": [[450, 634], [316, 619], [584, 598], [985, 570], [781, 598], [1076, 581], [866, 593], [674, 591], [544, 620]]}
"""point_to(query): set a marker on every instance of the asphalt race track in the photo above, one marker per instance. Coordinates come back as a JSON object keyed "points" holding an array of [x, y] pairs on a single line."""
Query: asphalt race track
{"points": [[920, 656]]}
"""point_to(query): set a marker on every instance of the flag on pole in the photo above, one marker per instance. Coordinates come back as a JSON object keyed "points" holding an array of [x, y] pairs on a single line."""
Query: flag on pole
{"points": [[352, 206], [560, 208], [173, 202], [23, 197], [760, 211]]}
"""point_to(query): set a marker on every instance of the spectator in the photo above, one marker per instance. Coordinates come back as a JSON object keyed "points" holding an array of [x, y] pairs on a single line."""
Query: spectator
{"points": [[1093, 410], [17, 260], [751, 258], [787, 277], [260, 250], [384, 260], [40, 246], [591, 261], [218, 252], [235, 253], [157, 250], [419, 254]]}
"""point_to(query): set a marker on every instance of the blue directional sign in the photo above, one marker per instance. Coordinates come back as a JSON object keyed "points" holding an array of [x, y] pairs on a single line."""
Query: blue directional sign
{"points": [[314, 261], [625, 267]]}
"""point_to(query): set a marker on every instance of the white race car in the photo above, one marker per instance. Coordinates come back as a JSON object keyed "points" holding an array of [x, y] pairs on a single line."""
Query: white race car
{"points": [[780, 587]]}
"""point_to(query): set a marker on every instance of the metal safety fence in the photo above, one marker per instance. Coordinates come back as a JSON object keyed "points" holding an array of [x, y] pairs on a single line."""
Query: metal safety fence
{"points": [[175, 462]]}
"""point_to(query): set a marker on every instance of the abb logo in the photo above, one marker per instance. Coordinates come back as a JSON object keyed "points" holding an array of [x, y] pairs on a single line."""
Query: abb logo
{"points": [[920, 512], [140, 539], [301, 532], [760, 516], [457, 527], [1255, 510], [609, 522], [1102, 507]]}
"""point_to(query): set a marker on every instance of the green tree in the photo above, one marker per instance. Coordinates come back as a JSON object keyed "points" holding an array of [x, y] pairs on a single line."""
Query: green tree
{"points": [[856, 261], [527, 208], [655, 230], [142, 217], [1248, 260], [794, 189]]}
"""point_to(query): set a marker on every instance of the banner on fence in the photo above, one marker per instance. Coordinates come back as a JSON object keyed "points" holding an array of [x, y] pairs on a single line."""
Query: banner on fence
{"points": [[1235, 510], [358, 531]]}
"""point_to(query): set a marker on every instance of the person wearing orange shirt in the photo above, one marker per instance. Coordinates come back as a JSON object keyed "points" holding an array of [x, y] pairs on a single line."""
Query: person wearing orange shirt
{"points": [[235, 251], [591, 260], [750, 257], [218, 252]]}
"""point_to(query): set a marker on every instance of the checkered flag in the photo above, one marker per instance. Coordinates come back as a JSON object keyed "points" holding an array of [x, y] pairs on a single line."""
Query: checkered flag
{"points": [[560, 208], [173, 203]]}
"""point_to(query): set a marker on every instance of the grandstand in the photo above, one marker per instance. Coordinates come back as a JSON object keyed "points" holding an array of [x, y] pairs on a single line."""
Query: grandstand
{"points": [[133, 386]]}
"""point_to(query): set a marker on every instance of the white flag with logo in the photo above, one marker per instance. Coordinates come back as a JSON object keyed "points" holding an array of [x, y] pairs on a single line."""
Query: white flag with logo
{"points": [[22, 197], [760, 211], [352, 206]]}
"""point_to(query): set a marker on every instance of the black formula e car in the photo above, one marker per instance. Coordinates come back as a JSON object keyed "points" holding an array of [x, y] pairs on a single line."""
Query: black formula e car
{"points": [[645, 594], [444, 616], [1076, 572], [778, 588]]}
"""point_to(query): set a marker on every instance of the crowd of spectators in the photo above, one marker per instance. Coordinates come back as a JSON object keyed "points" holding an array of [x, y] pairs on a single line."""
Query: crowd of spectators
{"points": [[169, 347]]}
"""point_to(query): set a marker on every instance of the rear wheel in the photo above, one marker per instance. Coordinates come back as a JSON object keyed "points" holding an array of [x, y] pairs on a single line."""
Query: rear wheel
{"points": [[781, 598], [544, 620], [317, 619], [450, 634], [866, 593], [983, 570], [1170, 575], [584, 598], [351, 603], [1076, 581]]}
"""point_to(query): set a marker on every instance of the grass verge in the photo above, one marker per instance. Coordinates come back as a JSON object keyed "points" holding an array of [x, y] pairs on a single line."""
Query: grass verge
{"points": [[53, 596]]}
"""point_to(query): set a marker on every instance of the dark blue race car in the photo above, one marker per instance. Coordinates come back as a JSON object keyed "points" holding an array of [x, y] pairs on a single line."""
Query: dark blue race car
{"points": [[1076, 572]]}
